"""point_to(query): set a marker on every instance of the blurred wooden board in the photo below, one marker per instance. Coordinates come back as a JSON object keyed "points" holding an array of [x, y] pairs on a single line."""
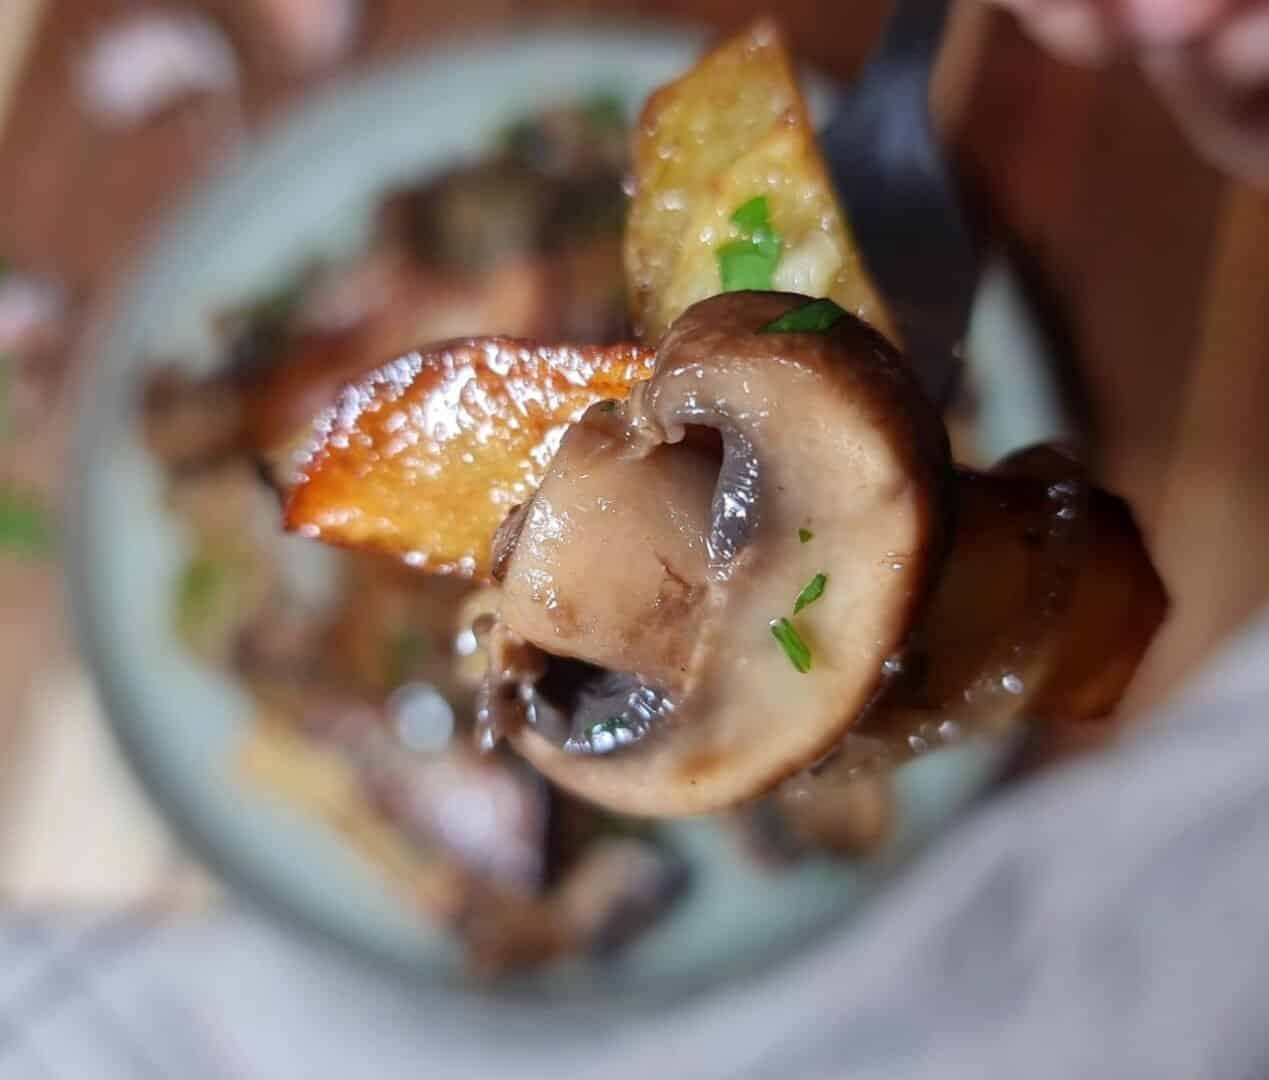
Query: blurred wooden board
{"points": [[19, 20]]}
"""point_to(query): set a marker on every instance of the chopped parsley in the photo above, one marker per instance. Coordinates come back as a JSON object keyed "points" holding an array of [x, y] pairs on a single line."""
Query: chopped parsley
{"points": [[522, 139], [406, 650], [605, 112], [534, 140], [6, 394], [608, 406], [813, 591], [752, 216], [606, 727], [749, 262], [815, 317], [797, 650], [26, 526], [198, 594], [805, 536], [278, 306], [625, 828], [255, 329]]}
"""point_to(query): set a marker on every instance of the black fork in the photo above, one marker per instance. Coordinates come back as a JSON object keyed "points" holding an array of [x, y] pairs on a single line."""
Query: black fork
{"points": [[904, 203]]}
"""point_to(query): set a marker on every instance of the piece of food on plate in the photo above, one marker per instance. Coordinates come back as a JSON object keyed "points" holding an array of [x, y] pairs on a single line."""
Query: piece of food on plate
{"points": [[730, 192], [472, 840]]}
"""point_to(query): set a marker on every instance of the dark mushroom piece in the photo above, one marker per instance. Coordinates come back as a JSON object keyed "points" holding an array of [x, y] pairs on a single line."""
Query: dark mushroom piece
{"points": [[1045, 609], [643, 577]]}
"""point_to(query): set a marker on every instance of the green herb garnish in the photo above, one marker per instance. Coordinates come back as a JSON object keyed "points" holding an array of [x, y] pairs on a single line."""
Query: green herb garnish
{"points": [[750, 261], [522, 139], [624, 828], [198, 594], [6, 395], [815, 317], [606, 727], [406, 651], [255, 329], [797, 650], [529, 139], [26, 527], [605, 112], [805, 536], [277, 307], [813, 591], [608, 406], [741, 268], [753, 215]]}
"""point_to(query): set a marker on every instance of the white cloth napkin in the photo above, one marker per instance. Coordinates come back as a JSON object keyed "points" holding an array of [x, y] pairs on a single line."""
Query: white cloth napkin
{"points": [[1104, 921]]}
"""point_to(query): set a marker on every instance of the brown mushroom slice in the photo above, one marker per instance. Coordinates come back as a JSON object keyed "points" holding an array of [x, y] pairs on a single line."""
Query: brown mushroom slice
{"points": [[651, 580], [1046, 606]]}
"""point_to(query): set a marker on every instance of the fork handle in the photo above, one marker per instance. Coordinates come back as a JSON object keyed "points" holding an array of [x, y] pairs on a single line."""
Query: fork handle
{"points": [[911, 38]]}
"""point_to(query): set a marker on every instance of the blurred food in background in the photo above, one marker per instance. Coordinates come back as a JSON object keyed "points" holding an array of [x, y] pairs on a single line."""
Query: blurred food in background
{"points": [[365, 700], [34, 332]]}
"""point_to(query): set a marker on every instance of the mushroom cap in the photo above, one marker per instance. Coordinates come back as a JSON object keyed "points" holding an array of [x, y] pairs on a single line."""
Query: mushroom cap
{"points": [[825, 433]]}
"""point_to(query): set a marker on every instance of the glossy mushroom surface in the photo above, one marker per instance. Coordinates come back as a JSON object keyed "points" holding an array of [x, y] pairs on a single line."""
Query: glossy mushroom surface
{"points": [[634, 659]]}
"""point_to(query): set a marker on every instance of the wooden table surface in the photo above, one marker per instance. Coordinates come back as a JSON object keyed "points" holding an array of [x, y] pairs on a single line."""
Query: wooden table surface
{"points": [[1153, 267]]}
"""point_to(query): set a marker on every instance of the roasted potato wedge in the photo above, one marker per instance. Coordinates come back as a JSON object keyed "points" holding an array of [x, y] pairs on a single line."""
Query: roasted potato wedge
{"points": [[424, 457], [735, 127]]}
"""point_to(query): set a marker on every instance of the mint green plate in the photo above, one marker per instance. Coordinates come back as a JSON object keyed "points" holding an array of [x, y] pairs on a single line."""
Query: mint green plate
{"points": [[309, 189]]}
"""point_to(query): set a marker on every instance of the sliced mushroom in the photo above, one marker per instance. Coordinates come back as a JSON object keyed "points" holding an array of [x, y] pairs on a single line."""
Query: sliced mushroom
{"points": [[670, 533], [1046, 607]]}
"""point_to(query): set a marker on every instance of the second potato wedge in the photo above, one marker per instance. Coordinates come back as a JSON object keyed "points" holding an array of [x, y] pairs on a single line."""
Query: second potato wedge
{"points": [[735, 128], [424, 457]]}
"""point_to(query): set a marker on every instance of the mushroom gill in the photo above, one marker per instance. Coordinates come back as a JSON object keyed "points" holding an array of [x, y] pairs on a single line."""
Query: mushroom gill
{"points": [[641, 581]]}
